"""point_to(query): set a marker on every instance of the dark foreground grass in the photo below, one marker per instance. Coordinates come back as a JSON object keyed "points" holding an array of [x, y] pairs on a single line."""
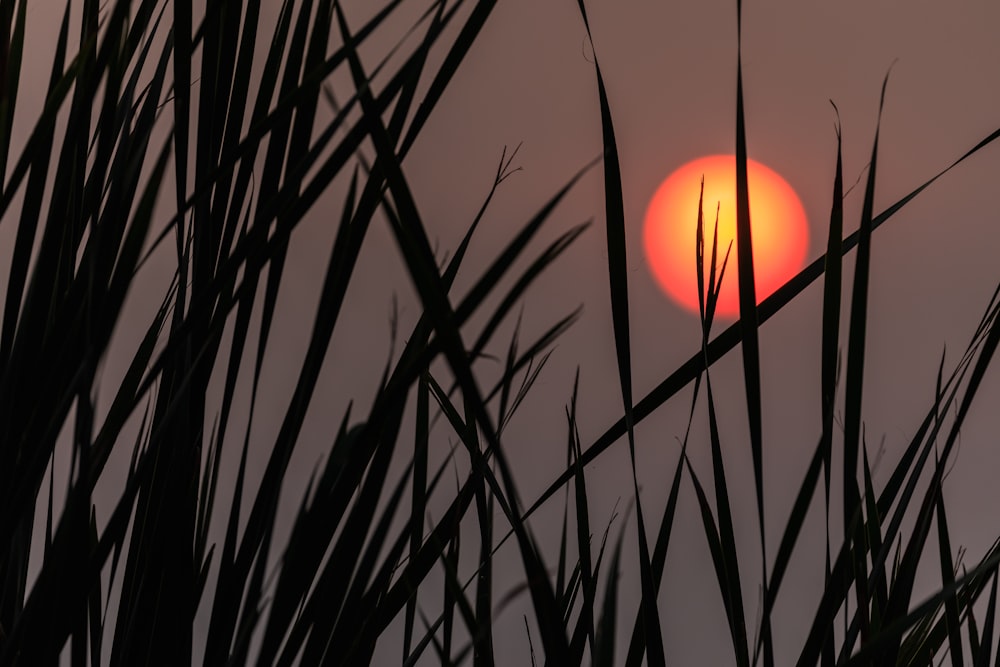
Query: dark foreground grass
{"points": [[250, 156]]}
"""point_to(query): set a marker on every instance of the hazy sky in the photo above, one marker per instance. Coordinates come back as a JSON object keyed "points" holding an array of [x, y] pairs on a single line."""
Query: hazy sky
{"points": [[670, 70]]}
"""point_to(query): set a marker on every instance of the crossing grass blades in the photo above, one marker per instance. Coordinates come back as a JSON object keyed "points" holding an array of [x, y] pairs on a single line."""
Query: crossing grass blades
{"points": [[153, 106]]}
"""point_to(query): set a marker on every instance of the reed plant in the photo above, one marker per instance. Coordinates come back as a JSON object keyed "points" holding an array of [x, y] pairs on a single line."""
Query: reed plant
{"points": [[199, 139]]}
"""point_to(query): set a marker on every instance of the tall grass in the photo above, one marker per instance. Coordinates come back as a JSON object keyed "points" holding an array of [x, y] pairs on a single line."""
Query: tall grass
{"points": [[151, 97]]}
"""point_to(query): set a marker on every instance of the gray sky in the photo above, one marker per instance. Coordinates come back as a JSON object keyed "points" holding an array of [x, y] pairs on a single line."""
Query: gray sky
{"points": [[670, 70]]}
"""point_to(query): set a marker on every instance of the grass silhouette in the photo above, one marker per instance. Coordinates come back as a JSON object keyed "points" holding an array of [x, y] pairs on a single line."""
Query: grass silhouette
{"points": [[248, 157]]}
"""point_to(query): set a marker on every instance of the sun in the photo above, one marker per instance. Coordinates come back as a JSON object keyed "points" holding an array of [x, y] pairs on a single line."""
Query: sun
{"points": [[778, 225]]}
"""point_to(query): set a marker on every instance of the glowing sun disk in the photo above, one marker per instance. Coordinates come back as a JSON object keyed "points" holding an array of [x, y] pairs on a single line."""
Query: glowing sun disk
{"points": [[778, 227]]}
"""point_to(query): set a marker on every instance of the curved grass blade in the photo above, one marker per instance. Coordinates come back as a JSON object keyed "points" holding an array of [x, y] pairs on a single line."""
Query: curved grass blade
{"points": [[604, 654], [726, 561], [841, 580], [728, 339], [12, 53], [416, 251], [618, 278], [891, 635], [749, 324], [855, 382], [986, 645], [948, 578]]}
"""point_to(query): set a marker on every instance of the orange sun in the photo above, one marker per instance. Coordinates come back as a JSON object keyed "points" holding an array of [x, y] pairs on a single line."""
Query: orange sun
{"points": [[778, 226]]}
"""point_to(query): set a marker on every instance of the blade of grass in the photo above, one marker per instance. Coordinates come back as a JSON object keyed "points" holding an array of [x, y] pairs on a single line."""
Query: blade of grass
{"points": [[731, 337], [948, 578], [986, 646], [416, 251], [618, 279], [749, 323], [855, 379], [727, 564], [604, 645]]}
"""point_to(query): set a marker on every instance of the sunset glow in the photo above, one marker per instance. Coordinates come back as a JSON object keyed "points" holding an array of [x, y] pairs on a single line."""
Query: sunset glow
{"points": [[778, 226]]}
